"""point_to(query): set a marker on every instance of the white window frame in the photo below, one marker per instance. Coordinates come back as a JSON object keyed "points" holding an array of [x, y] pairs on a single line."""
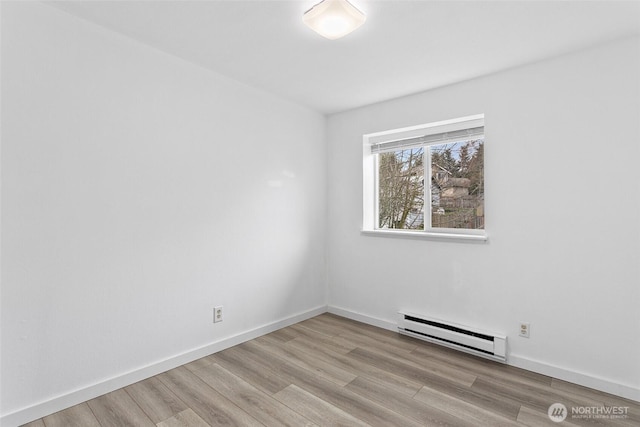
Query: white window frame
{"points": [[370, 180]]}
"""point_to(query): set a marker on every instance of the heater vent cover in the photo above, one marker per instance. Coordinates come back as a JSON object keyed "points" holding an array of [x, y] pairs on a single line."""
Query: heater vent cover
{"points": [[460, 337]]}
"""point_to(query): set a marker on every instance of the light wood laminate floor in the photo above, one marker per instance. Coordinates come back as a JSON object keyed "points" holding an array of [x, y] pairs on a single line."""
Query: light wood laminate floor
{"points": [[331, 371]]}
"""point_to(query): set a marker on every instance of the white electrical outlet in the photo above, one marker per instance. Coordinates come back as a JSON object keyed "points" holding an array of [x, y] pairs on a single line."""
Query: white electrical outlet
{"points": [[525, 328], [217, 314]]}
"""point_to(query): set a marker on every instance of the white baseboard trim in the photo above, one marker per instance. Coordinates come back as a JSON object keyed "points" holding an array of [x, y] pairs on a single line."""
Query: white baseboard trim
{"points": [[58, 403], [580, 378], [586, 380], [359, 317]]}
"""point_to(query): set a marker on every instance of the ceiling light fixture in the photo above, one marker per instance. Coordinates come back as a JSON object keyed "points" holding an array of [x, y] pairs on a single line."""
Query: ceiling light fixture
{"points": [[333, 18]]}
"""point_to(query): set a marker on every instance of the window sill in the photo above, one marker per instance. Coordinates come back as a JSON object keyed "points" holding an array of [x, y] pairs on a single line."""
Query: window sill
{"points": [[427, 235]]}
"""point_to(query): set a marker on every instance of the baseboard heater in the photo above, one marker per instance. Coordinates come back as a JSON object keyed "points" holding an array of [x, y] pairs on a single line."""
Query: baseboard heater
{"points": [[459, 337]]}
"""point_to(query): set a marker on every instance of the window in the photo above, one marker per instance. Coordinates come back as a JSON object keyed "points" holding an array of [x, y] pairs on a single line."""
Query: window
{"points": [[426, 180]]}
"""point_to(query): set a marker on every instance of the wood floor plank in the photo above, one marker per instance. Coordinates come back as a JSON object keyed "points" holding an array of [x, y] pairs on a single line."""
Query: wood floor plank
{"points": [[323, 345], [243, 363], [327, 370], [393, 383], [407, 406], [467, 411], [186, 418], [155, 399], [253, 401], [356, 405], [532, 418], [36, 423], [389, 341], [317, 410], [75, 416], [284, 334], [359, 406], [500, 370], [479, 366], [211, 406], [408, 369], [336, 344], [201, 363], [322, 327], [499, 404], [382, 336], [580, 390], [504, 405], [118, 409], [435, 366]]}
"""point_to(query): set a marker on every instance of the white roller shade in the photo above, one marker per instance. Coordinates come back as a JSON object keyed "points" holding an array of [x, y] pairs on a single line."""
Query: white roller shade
{"points": [[430, 139]]}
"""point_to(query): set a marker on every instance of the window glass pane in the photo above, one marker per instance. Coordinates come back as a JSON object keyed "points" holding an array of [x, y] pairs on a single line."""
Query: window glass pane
{"points": [[401, 189], [457, 185]]}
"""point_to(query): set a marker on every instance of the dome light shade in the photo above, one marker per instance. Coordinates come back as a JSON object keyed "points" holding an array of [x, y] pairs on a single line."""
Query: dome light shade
{"points": [[333, 18]]}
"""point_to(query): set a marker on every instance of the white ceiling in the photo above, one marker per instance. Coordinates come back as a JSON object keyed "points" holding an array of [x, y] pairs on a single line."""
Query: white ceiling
{"points": [[404, 47]]}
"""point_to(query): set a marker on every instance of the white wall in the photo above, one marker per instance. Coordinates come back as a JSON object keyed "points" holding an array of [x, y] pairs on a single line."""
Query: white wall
{"points": [[138, 191], [562, 205]]}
